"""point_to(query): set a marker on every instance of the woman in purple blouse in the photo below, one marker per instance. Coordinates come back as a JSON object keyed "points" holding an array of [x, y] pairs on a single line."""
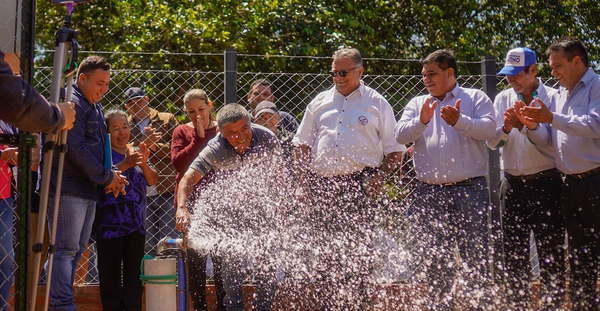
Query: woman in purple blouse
{"points": [[119, 224]]}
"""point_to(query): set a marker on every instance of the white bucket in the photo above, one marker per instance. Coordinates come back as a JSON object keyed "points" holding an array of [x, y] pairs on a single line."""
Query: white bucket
{"points": [[159, 276]]}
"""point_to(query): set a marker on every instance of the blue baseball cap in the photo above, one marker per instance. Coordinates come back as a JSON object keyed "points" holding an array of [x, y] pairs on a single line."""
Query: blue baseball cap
{"points": [[517, 60]]}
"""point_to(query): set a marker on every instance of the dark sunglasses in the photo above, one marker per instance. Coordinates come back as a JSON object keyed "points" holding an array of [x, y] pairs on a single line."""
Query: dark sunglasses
{"points": [[341, 73]]}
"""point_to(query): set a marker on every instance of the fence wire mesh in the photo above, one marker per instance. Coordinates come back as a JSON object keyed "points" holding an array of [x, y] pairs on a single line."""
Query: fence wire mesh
{"points": [[292, 90]]}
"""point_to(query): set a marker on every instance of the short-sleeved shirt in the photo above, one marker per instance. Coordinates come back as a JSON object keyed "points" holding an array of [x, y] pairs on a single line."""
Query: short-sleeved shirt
{"points": [[220, 155], [348, 133]]}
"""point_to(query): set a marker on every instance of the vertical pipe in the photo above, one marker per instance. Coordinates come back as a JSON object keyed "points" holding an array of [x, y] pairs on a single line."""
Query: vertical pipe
{"points": [[488, 74], [27, 39], [181, 282], [230, 76], [26, 142], [24, 186]]}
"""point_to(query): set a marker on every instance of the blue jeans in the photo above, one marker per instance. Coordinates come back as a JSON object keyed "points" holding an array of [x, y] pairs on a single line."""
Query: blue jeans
{"points": [[7, 255], [160, 220], [450, 217], [75, 220]]}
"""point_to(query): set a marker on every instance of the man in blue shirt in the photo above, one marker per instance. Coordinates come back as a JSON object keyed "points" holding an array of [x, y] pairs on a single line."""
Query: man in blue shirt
{"points": [[449, 127], [572, 126], [85, 179], [24, 108]]}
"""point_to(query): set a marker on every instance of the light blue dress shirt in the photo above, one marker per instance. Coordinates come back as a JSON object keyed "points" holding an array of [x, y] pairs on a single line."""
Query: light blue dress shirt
{"points": [[519, 155], [575, 128], [444, 153]]}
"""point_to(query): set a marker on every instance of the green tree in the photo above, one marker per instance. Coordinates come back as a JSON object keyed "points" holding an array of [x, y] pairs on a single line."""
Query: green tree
{"points": [[379, 28]]}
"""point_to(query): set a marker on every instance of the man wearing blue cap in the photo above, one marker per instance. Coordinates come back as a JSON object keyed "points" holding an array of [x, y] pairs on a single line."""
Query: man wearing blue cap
{"points": [[531, 189], [572, 127], [154, 128]]}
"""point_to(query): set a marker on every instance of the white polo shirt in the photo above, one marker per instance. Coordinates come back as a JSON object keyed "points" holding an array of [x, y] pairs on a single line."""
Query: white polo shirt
{"points": [[348, 133]]}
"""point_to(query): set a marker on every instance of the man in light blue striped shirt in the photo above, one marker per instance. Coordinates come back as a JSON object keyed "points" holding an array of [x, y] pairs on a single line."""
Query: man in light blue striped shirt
{"points": [[531, 189], [572, 127], [449, 128]]}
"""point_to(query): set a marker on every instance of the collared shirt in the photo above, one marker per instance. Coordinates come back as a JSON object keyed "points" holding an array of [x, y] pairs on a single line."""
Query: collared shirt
{"points": [[84, 174], [142, 124], [575, 128], [519, 155], [348, 133], [220, 155], [444, 153]]}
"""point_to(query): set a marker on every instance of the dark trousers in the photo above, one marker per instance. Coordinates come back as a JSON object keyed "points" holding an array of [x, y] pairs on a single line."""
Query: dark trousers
{"points": [[341, 218], [451, 217], [581, 209], [116, 257], [197, 280], [533, 205]]}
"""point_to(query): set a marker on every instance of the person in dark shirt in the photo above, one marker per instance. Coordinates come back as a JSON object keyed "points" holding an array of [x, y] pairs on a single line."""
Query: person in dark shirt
{"points": [[119, 224], [267, 115], [85, 179], [261, 90], [24, 108]]}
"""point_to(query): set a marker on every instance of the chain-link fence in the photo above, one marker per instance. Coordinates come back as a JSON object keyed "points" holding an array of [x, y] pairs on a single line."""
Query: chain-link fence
{"points": [[13, 209], [292, 90], [7, 233]]}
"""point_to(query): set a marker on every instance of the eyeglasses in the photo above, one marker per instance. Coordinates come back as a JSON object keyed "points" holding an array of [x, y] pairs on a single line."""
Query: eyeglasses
{"points": [[341, 73]]}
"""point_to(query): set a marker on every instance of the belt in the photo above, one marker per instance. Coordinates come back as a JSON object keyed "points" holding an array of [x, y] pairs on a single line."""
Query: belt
{"points": [[356, 176], [592, 172], [530, 177], [465, 182]]}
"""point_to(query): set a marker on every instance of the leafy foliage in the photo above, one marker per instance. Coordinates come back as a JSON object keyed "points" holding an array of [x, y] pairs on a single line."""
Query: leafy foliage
{"points": [[379, 28]]}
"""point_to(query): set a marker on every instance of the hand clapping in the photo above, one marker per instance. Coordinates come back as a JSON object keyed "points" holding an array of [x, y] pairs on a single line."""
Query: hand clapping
{"points": [[537, 112], [451, 114], [151, 137], [518, 108], [428, 110]]}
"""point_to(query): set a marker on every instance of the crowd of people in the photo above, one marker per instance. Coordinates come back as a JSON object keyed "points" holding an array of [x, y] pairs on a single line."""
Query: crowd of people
{"points": [[341, 152]]}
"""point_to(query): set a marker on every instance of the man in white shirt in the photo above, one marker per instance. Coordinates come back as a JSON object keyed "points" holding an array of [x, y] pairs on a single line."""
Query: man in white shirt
{"points": [[449, 127], [345, 148], [531, 189]]}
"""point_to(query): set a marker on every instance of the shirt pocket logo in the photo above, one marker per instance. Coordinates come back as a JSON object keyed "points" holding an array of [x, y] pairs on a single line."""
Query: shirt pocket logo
{"points": [[363, 120]]}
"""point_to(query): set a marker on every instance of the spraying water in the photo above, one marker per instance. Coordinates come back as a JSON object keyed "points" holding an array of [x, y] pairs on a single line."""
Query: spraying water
{"points": [[335, 246]]}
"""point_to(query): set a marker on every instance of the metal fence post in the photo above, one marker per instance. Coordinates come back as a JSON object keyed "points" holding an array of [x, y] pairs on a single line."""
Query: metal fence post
{"points": [[24, 188], [488, 73], [230, 76]]}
